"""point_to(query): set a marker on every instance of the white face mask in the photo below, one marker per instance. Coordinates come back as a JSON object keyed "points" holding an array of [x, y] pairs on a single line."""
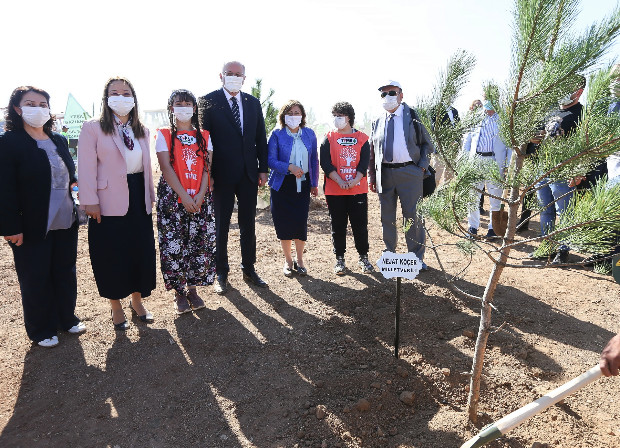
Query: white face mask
{"points": [[390, 102], [292, 121], [121, 105], [340, 122], [183, 114], [35, 116], [566, 100], [233, 83]]}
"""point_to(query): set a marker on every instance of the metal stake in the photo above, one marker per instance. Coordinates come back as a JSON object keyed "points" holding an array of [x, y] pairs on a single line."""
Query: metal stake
{"points": [[397, 323]]}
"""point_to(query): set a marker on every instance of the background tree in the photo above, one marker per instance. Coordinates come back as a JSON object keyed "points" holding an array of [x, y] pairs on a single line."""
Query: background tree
{"points": [[270, 112], [547, 58]]}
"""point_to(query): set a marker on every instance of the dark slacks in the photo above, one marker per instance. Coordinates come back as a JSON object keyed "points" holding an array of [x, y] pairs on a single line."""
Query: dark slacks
{"points": [[224, 200], [404, 184], [47, 279], [352, 208]]}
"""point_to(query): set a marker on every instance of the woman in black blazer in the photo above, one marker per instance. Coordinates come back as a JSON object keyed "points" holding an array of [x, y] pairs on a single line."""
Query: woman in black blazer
{"points": [[38, 216]]}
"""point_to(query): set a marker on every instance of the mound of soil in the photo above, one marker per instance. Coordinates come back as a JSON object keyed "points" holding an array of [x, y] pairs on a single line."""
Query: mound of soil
{"points": [[309, 362]]}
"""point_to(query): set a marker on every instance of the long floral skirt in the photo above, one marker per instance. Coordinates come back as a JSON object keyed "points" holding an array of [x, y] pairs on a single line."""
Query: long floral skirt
{"points": [[186, 240]]}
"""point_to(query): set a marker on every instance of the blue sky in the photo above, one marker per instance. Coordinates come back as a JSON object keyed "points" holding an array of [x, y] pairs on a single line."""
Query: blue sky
{"points": [[316, 51]]}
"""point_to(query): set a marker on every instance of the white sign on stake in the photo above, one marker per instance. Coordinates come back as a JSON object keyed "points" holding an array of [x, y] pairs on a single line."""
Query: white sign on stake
{"points": [[399, 265]]}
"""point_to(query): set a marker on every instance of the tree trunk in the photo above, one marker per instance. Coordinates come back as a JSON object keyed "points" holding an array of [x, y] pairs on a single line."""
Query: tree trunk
{"points": [[481, 342], [487, 300]]}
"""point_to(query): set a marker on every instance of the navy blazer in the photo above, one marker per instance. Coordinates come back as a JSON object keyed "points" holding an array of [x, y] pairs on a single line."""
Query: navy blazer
{"points": [[25, 183], [279, 149], [234, 153]]}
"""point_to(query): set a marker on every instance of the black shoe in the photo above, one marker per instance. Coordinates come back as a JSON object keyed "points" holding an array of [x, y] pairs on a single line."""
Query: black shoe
{"points": [[220, 286], [541, 255], [146, 318], [300, 270], [252, 276], [524, 221], [491, 235], [561, 257], [596, 258], [523, 228], [123, 326]]}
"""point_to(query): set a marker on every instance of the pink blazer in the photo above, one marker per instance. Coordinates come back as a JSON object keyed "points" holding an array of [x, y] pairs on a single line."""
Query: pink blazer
{"points": [[102, 170]]}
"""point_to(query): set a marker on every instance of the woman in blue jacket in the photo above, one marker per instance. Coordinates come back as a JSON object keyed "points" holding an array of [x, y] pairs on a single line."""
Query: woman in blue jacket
{"points": [[294, 164]]}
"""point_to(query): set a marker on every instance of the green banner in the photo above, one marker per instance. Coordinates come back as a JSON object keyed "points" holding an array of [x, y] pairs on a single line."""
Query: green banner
{"points": [[75, 116]]}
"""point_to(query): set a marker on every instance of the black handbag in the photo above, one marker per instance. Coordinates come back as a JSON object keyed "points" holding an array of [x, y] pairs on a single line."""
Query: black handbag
{"points": [[429, 183]]}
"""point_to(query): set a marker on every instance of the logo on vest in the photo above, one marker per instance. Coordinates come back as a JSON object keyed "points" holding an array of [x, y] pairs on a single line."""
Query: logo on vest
{"points": [[190, 159], [347, 141], [348, 155], [186, 139]]}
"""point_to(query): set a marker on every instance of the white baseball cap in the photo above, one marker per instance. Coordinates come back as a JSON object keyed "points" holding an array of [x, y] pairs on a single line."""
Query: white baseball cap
{"points": [[391, 83]]}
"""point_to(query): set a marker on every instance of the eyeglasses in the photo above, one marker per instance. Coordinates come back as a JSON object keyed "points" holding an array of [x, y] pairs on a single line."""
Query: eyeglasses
{"points": [[240, 75], [391, 93]]}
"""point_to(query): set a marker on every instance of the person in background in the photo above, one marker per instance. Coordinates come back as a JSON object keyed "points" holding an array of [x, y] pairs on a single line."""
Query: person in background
{"points": [[345, 153], [235, 122], [554, 196], [613, 174], [185, 221], [613, 161], [38, 217], [484, 142], [449, 117], [399, 157], [610, 357], [294, 176], [116, 191]]}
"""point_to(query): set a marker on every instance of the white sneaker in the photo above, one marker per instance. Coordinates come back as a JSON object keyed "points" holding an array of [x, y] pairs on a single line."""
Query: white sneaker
{"points": [[78, 328], [50, 342]]}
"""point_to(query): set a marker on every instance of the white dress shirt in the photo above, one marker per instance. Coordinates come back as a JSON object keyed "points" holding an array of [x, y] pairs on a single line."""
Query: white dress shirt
{"points": [[239, 102], [400, 154]]}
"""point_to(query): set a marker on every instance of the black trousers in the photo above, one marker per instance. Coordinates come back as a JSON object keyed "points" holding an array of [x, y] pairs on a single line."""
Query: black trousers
{"points": [[224, 200], [48, 282], [352, 208]]}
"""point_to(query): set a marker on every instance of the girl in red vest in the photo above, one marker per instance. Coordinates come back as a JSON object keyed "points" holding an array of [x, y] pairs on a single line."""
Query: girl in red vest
{"points": [[185, 218], [344, 159]]}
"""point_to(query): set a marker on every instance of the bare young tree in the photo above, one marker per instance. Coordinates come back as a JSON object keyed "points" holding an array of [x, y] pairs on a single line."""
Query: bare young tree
{"points": [[548, 59]]}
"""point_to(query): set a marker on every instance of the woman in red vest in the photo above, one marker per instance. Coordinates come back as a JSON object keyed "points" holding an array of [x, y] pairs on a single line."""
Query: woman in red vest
{"points": [[185, 220], [344, 159]]}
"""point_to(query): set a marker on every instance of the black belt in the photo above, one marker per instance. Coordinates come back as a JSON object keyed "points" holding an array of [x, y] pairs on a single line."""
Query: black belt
{"points": [[486, 154], [396, 165]]}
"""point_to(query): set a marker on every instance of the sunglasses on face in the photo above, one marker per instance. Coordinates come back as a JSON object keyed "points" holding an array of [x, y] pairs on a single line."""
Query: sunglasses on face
{"points": [[391, 93]]}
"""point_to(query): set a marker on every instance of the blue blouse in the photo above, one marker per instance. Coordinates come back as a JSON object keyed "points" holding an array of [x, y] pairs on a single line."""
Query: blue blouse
{"points": [[299, 155]]}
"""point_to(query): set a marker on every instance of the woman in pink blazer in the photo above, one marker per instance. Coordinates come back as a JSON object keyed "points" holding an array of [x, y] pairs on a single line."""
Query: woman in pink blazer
{"points": [[116, 191]]}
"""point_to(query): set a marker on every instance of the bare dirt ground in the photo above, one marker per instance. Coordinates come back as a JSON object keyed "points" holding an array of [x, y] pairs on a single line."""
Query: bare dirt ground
{"points": [[309, 362]]}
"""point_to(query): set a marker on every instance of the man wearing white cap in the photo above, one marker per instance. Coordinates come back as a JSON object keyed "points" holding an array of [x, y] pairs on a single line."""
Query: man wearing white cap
{"points": [[400, 150], [484, 142]]}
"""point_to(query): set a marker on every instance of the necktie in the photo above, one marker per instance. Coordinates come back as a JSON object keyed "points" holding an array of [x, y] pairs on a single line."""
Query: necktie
{"points": [[388, 154], [235, 111]]}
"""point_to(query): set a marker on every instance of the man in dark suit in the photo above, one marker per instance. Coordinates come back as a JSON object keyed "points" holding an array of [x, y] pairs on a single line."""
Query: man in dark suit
{"points": [[235, 122]]}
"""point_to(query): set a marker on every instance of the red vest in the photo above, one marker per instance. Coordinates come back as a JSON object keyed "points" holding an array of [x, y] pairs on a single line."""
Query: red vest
{"points": [[345, 152], [187, 164]]}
